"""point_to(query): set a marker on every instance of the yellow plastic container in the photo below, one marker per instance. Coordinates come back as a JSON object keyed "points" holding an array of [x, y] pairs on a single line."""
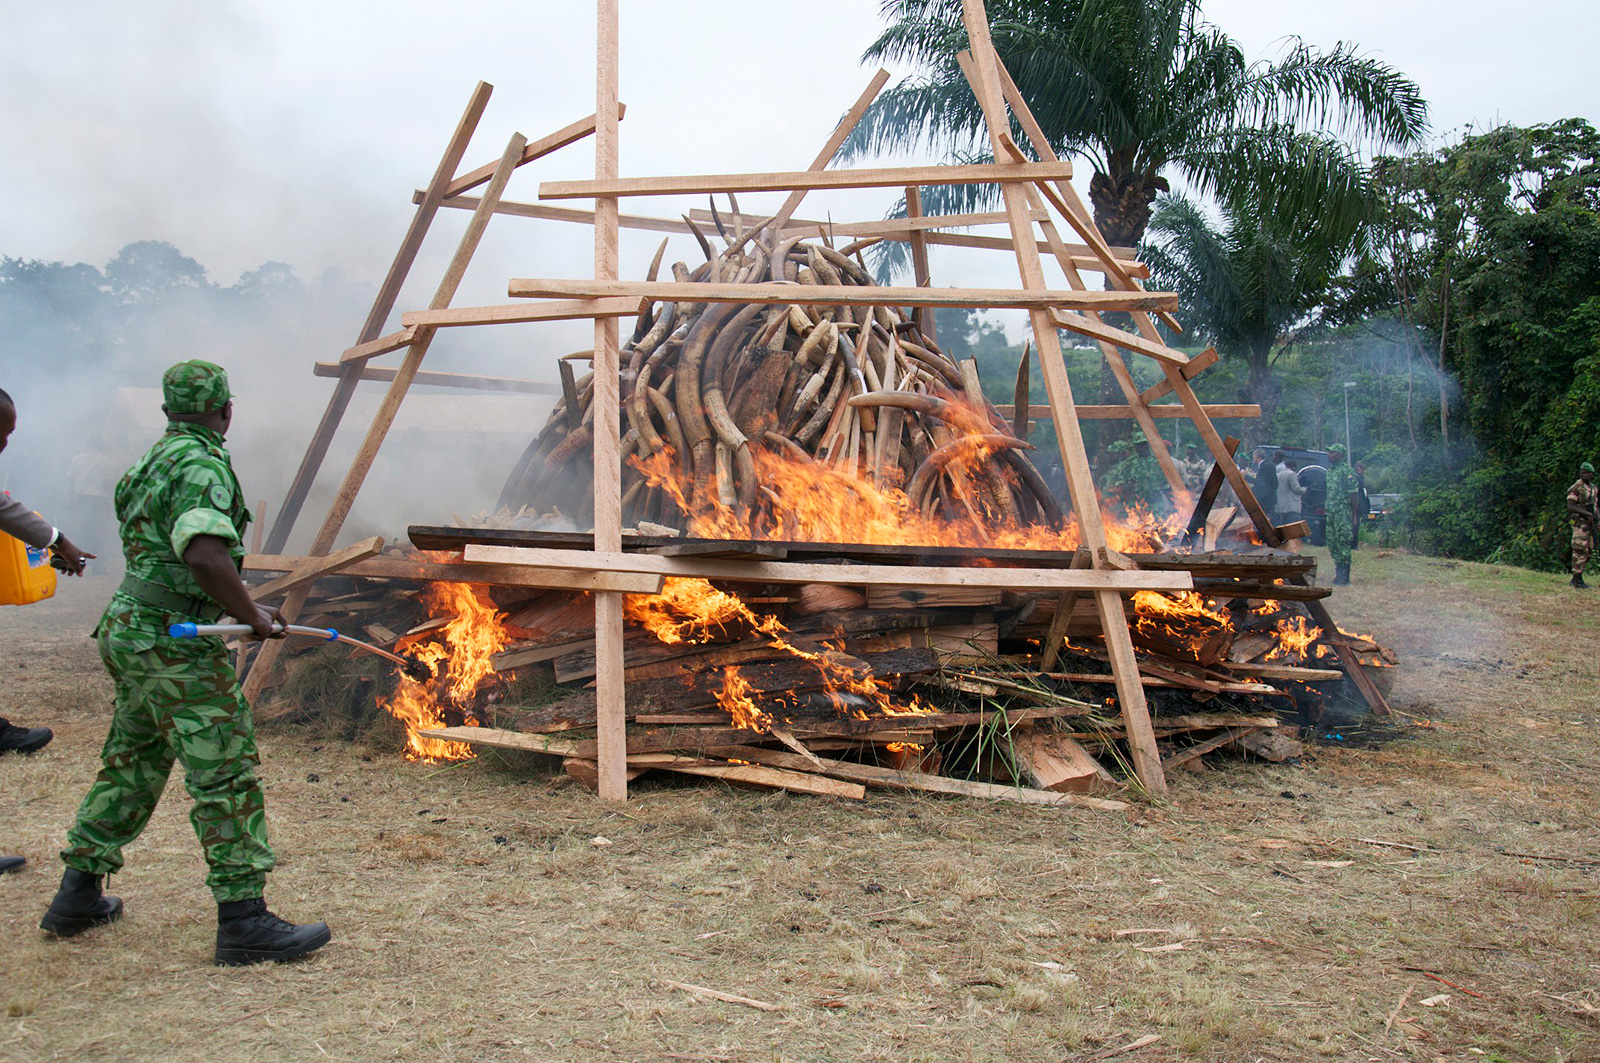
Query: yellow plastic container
{"points": [[25, 573]]}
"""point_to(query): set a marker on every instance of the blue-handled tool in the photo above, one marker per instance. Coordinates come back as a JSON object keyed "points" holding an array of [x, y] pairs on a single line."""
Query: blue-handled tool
{"points": [[413, 668]]}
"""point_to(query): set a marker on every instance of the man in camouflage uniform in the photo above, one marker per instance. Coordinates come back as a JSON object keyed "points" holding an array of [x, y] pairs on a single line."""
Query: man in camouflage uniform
{"points": [[1341, 510], [1581, 505], [182, 518]]}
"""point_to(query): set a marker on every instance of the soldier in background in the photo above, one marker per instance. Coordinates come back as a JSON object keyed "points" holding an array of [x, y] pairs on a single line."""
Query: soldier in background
{"points": [[1582, 500], [1341, 507]]}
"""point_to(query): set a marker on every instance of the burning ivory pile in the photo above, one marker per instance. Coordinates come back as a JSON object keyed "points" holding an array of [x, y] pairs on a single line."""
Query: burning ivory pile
{"points": [[843, 435], [725, 403]]}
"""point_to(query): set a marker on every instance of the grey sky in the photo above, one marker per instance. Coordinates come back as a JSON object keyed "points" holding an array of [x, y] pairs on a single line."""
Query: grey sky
{"points": [[294, 130]]}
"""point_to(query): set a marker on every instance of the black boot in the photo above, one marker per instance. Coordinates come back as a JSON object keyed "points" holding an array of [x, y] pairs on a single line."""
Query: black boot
{"points": [[1577, 580], [1341, 575], [15, 739], [248, 933], [79, 905], [12, 863]]}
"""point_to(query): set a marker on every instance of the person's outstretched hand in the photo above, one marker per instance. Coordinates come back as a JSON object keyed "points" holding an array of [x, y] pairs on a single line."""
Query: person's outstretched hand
{"points": [[68, 558]]}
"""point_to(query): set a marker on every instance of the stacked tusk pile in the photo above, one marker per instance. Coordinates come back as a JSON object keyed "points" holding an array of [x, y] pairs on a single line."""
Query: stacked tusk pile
{"points": [[718, 397]]}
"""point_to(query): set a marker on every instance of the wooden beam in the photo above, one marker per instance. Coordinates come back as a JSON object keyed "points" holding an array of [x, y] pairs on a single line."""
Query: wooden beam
{"points": [[804, 180], [846, 295], [1120, 337], [428, 378], [1069, 434], [394, 341], [1066, 197], [521, 313], [923, 315], [388, 292], [888, 228], [1200, 749], [314, 568], [471, 572], [610, 697], [797, 781], [913, 780], [1197, 365], [848, 575], [537, 149], [841, 132], [1103, 413]]}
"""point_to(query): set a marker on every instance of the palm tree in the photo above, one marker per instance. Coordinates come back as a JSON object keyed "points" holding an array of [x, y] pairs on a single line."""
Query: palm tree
{"points": [[1251, 283], [1141, 88]]}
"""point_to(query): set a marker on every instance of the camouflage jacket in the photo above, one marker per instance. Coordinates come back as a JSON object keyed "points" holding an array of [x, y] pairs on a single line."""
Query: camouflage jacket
{"points": [[183, 487], [1585, 496]]}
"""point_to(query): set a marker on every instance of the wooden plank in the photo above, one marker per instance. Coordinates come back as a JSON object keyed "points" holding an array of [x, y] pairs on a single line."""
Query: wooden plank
{"points": [[1105, 413], [922, 316], [1298, 530], [777, 778], [1197, 365], [1285, 671], [536, 149], [469, 572], [1200, 749], [610, 698], [841, 132], [1121, 338], [1066, 196], [382, 304], [888, 229], [1069, 434], [803, 180], [394, 341], [838, 295], [800, 572], [428, 378], [911, 780], [520, 313], [1376, 702], [315, 568]]}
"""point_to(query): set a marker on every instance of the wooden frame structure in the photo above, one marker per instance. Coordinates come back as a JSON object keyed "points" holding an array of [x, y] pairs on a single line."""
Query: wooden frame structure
{"points": [[1037, 195]]}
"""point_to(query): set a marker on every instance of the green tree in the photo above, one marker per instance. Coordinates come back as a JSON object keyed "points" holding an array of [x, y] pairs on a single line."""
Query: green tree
{"points": [[1142, 88], [1250, 283]]}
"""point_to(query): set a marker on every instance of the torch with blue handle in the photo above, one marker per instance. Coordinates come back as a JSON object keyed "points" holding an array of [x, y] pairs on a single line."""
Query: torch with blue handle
{"points": [[413, 668]]}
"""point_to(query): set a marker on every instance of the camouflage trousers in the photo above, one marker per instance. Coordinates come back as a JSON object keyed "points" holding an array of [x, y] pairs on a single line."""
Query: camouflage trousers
{"points": [[1582, 546], [1341, 540], [177, 701]]}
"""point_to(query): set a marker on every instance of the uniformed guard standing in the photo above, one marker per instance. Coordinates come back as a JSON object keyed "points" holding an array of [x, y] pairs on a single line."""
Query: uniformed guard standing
{"points": [[182, 518], [1340, 507], [1581, 504]]}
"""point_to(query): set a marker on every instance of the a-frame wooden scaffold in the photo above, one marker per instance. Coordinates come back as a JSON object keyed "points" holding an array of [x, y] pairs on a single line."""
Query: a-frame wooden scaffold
{"points": [[1037, 193]]}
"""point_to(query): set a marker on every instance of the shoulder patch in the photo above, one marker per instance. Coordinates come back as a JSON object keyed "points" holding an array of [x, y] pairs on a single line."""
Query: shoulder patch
{"points": [[219, 497]]}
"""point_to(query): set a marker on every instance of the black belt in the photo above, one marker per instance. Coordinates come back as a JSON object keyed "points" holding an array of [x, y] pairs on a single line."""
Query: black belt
{"points": [[153, 594]]}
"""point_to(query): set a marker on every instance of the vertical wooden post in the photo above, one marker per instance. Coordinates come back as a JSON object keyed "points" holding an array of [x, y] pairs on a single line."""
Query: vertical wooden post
{"points": [[610, 697], [388, 293], [922, 315], [1069, 435]]}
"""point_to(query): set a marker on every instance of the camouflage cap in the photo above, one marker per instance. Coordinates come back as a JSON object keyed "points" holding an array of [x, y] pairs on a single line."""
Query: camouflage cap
{"points": [[1586, 467], [195, 387], [1337, 448]]}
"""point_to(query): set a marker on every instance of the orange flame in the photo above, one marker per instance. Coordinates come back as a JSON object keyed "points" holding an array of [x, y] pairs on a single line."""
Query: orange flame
{"points": [[735, 699], [691, 610], [1295, 635], [814, 501], [459, 656]]}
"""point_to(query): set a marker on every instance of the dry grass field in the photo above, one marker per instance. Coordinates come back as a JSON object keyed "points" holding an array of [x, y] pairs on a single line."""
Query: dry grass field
{"points": [[1433, 896]]}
